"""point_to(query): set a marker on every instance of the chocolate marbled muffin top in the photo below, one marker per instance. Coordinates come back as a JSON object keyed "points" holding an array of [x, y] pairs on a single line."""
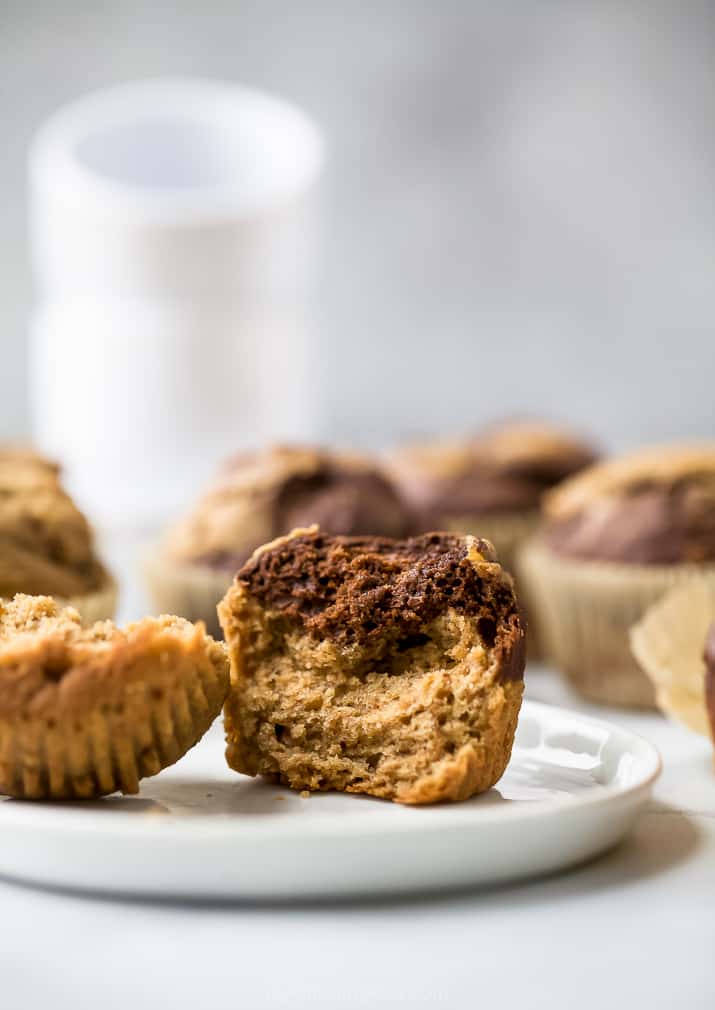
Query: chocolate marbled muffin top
{"points": [[506, 469], [358, 589], [654, 507], [261, 495]]}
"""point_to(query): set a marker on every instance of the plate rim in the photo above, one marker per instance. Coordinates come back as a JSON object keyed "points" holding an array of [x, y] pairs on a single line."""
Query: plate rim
{"points": [[58, 815]]}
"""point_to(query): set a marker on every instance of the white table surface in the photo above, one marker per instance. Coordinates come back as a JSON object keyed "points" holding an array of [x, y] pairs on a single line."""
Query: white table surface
{"points": [[633, 929]]}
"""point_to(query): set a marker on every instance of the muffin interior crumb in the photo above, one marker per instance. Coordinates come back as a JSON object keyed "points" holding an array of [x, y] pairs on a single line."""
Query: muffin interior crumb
{"points": [[352, 719]]}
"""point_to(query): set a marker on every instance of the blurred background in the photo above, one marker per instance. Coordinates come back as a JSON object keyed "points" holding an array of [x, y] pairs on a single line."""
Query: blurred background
{"points": [[517, 203]]}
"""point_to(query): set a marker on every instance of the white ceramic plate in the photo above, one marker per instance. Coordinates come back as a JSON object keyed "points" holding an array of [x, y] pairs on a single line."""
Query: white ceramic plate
{"points": [[573, 789]]}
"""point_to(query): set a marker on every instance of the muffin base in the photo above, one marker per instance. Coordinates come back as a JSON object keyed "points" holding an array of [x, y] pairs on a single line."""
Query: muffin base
{"points": [[585, 610], [414, 733]]}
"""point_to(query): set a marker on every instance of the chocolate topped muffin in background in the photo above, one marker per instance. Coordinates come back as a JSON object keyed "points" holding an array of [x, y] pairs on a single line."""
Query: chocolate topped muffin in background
{"points": [[258, 496], [491, 485], [46, 543], [504, 470], [615, 539], [655, 508]]}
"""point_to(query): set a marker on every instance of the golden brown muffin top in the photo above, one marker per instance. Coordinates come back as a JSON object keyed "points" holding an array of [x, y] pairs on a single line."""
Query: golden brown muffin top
{"points": [[50, 665], [46, 543], [260, 495], [654, 506]]}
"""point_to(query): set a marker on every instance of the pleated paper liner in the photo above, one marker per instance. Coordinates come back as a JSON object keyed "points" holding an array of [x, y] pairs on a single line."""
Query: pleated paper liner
{"points": [[191, 591], [585, 610], [668, 643], [128, 719]]}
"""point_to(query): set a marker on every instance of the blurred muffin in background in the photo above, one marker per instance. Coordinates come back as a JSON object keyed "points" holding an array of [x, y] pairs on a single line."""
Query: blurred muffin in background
{"points": [[46, 543], [257, 497], [491, 485], [615, 539]]}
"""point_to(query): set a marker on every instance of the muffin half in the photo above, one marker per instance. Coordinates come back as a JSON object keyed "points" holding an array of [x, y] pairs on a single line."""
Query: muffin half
{"points": [[46, 543], [371, 665], [255, 498], [616, 538], [86, 711]]}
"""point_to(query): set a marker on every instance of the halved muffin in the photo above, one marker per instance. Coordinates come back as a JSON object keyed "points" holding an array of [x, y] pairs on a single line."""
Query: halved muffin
{"points": [[86, 711], [371, 665]]}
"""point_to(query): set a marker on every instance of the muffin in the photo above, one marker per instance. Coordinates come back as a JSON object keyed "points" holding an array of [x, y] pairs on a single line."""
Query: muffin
{"points": [[616, 538], [255, 498], [674, 643], [490, 485], [370, 665], [46, 544], [86, 711]]}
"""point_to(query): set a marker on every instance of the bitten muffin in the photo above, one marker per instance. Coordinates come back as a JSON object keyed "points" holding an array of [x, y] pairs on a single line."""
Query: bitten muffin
{"points": [[257, 497], [616, 538], [370, 665], [89, 711], [491, 485], [674, 643], [46, 544]]}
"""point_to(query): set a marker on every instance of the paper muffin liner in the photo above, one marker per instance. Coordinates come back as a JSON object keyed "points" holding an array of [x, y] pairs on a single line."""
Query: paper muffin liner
{"points": [[100, 605], [585, 610], [123, 736], [668, 643], [509, 532], [190, 591]]}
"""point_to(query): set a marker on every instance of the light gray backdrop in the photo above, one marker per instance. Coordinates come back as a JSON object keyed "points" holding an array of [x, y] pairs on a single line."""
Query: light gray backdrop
{"points": [[520, 212]]}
